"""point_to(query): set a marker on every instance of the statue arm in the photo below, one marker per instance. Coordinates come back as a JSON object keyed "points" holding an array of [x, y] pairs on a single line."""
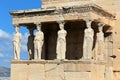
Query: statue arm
{"points": [[20, 37], [63, 39]]}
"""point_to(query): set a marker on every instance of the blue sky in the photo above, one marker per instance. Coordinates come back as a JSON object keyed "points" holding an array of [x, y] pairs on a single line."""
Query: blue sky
{"points": [[7, 30]]}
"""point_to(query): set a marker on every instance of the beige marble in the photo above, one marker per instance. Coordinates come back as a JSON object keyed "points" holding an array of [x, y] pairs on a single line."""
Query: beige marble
{"points": [[100, 43], [109, 73], [38, 42], [61, 42], [88, 40], [16, 43], [56, 70], [98, 72], [103, 39]]}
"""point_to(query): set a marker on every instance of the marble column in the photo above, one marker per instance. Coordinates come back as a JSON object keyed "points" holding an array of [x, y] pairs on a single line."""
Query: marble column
{"points": [[61, 41], [99, 50], [38, 42], [88, 41], [30, 44], [16, 42]]}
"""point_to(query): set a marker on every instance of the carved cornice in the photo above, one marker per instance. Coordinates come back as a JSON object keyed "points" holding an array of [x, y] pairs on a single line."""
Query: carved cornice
{"points": [[64, 10]]}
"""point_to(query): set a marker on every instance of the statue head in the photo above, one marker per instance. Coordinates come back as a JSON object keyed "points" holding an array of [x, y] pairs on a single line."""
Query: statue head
{"points": [[61, 26], [88, 22], [100, 26], [38, 26]]}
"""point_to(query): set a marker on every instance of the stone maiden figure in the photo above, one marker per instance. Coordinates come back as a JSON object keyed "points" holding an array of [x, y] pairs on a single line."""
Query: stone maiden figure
{"points": [[99, 54], [16, 43], [88, 41], [61, 42], [38, 42]]}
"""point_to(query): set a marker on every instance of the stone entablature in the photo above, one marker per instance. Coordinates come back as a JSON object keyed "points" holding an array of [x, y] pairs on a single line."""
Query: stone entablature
{"points": [[61, 3], [70, 27], [37, 17], [91, 11], [64, 10]]}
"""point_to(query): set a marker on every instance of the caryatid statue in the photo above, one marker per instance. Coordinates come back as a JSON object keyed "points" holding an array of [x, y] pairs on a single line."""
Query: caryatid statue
{"points": [[88, 41], [16, 42], [61, 42], [30, 44], [100, 43], [38, 42]]}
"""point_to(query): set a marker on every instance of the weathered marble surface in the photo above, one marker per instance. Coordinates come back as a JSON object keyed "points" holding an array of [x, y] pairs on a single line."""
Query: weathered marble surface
{"points": [[100, 43], [112, 43], [57, 70], [61, 42], [88, 41], [38, 42], [16, 43]]}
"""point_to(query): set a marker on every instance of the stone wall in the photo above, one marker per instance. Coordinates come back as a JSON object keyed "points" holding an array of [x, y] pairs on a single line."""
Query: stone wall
{"points": [[72, 70], [113, 6], [57, 70]]}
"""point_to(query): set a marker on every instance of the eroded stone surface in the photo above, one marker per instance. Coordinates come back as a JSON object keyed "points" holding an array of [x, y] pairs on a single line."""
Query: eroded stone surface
{"points": [[106, 66], [88, 41], [38, 43], [61, 42], [17, 43]]}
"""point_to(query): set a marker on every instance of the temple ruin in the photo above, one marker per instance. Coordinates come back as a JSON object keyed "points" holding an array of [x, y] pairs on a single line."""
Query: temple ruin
{"points": [[74, 41]]}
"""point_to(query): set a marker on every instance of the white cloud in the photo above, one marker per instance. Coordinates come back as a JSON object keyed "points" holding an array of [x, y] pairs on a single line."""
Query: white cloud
{"points": [[24, 42], [25, 37], [4, 35], [1, 55], [6, 45], [24, 48], [6, 60], [5, 41]]}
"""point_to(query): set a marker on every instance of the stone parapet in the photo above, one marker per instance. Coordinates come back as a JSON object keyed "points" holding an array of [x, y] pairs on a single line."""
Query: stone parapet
{"points": [[56, 70]]}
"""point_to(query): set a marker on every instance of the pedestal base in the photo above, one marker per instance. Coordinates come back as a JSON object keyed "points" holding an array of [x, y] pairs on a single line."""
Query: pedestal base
{"points": [[57, 70]]}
